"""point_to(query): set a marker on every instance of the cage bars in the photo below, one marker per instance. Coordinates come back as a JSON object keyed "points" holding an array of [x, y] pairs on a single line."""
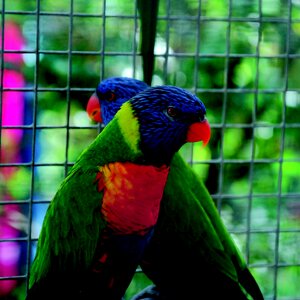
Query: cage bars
{"points": [[226, 90]]}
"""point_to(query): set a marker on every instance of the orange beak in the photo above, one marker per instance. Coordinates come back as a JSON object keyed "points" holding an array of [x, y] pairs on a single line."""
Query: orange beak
{"points": [[199, 131], [93, 109]]}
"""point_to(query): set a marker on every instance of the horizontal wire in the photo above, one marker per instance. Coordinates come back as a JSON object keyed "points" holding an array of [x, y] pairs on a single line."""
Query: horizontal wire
{"points": [[49, 127], [214, 196], [236, 231], [261, 124], [204, 161], [258, 19], [174, 54], [198, 90]]}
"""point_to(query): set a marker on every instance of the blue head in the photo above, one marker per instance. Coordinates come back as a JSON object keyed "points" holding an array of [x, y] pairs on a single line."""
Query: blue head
{"points": [[168, 117], [110, 94]]}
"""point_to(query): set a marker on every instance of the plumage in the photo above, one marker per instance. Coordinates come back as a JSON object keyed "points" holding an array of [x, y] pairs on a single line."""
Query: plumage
{"points": [[124, 88], [191, 253], [100, 220]]}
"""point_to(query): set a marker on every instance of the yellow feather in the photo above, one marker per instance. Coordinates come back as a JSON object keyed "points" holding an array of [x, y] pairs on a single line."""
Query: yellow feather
{"points": [[129, 127]]}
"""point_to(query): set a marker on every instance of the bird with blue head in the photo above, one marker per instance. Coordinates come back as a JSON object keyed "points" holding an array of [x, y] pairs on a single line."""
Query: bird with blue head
{"points": [[191, 253]]}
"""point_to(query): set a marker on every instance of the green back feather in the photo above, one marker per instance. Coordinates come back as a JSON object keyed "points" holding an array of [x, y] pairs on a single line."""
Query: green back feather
{"points": [[190, 215], [200, 192], [195, 218]]}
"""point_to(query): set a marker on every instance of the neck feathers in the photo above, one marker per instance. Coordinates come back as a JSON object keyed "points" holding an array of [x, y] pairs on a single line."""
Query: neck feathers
{"points": [[129, 127], [118, 141]]}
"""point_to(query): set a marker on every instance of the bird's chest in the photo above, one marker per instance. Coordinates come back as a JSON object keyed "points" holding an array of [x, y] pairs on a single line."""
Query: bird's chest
{"points": [[132, 195]]}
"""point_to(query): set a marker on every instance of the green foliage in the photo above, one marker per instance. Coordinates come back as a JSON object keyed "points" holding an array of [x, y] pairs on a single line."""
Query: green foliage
{"points": [[19, 184]]}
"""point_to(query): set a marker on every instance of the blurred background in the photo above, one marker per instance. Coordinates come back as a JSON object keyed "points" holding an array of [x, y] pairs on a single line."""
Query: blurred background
{"points": [[241, 57]]}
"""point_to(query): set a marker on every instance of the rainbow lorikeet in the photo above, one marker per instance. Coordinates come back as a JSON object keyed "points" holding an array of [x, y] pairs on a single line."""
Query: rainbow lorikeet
{"points": [[191, 253], [103, 214]]}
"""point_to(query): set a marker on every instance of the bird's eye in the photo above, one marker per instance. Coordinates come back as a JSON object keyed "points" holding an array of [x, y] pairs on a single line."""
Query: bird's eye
{"points": [[110, 96], [172, 111]]}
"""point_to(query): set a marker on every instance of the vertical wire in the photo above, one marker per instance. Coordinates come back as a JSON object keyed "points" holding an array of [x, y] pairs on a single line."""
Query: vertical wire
{"points": [[2, 69], [166, 56], [102, 72], [102, 65], [135, 30], [252, 154], [35, 88], [282, 142], [197, 47], [196, 66], [68, 85], [224, 107]]}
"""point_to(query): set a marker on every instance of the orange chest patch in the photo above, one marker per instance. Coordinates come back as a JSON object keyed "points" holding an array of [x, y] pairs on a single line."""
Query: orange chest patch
{"points": [[131, 196]]}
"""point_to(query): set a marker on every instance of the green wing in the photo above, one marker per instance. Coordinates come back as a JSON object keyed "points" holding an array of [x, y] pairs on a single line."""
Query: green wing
{"points": [[204, 199], [200, 222], [72, 220], [197, 222]]}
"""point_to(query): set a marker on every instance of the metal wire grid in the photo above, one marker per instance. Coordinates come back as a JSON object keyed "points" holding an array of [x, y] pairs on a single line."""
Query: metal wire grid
{"points": [[226, 91]]}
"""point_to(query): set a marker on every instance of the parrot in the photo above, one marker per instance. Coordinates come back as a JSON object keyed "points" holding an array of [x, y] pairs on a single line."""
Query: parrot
{"points": [[104, 212], [191, 253]]}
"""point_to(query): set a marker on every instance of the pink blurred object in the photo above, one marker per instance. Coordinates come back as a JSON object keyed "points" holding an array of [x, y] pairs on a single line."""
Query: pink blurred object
{"points": [[14, 41], [12, 115], [9, 251], [12, 101]]}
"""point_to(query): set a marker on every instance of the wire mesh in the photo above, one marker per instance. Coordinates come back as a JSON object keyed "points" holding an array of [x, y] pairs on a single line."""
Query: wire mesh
{"points": [[240, 57]]}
